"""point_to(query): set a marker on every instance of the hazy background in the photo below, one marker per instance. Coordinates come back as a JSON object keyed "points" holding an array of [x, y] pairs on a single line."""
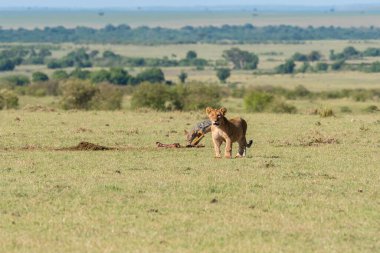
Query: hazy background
{"points": [[176, 3]]}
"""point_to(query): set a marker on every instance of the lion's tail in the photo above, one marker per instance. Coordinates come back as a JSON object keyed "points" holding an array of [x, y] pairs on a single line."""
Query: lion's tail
{"points": [[249, 144]]}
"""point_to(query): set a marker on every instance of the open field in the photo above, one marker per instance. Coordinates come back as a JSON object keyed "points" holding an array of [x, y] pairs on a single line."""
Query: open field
{"points": [[70, 18], [294, 192]]}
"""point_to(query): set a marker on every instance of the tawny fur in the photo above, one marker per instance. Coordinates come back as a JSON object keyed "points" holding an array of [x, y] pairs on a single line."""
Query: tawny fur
{"points": [[229, 131]]}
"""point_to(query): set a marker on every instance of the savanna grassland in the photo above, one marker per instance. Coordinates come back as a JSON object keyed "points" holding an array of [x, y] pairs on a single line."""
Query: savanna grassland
{"points": [[310, 183]]}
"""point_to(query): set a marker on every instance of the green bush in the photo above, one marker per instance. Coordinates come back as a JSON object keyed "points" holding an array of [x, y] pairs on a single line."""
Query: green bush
{"points": [[223, 74], [152, 75], [47, 88], [321, 66], [258, 101], [279, 106], [60, 75], [83, 95], [286, 68], [77, 94], [262, 101], [39, 77], [154, 96], [371, 109], [108, 97], [17, 80], [196, 96], [8, 99], [192, 96]]}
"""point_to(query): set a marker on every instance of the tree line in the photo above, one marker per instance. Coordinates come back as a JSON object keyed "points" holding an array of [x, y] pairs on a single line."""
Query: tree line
{"points": [[124, 34]]}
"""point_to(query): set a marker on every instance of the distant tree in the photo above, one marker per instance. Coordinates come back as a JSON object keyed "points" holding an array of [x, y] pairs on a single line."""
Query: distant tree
{"points": [[152, 75], [350, 52], [39, 77], [7, 65], [191, 55], [314, 56], [119, 76], [223, 74], [375, 67], [18, 80], [299, 57], [241, 59], [286, 68], [338, 65], [100, 76], [182, 76], [78, 73], [60, 75], [305, 67], [321, 66]]}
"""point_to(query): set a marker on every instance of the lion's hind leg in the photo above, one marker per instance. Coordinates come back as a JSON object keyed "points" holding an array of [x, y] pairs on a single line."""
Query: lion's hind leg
{"points": [[242, 148]]}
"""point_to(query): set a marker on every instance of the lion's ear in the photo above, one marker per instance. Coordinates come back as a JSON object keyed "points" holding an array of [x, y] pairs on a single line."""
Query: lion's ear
{"points": [[186, 132], [208, 110], [223, 110]]}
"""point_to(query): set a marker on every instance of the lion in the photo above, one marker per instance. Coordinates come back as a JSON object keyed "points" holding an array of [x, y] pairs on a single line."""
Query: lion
{"points": [[229, 131]]}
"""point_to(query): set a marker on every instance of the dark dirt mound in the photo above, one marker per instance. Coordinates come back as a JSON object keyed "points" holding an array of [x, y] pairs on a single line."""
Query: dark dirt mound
{"points": [[87, 146]]}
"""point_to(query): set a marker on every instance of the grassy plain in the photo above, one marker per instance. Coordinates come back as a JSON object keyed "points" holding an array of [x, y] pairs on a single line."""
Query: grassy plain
{"points": [[72, 18], [309, 184], [293, 193]]}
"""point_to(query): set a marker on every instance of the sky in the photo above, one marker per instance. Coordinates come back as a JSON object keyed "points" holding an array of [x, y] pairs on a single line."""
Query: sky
{"points": [[174, 3]]}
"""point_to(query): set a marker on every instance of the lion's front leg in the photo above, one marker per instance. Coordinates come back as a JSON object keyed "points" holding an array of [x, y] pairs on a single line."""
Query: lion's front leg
{"points": [[228, 149], [217, 144]]}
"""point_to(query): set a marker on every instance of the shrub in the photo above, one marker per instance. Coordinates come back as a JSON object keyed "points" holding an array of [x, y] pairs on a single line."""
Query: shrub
{"points": [[17, 80], [279, 106], [8, 99], [314, 56], [371, 109], [196, 96], [257, 101], [78, 94], [39, 77], [152, 75], [299, 57], [60, 75], [286, 68], [337, 65], [241, 59], [121, 77], [153, 96], [78, 73], [182, 76], [7, 65], [108, 97], [305, 67], [321, 66], [48, 88], [191, 55], [326, 112], [223, 74]]}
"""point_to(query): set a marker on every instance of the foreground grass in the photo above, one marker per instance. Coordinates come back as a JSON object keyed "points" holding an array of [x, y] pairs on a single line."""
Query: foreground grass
{"points": [[292, 193]]}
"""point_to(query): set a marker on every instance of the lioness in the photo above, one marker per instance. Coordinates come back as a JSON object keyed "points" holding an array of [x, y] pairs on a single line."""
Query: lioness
{"points": [[230, 131]]}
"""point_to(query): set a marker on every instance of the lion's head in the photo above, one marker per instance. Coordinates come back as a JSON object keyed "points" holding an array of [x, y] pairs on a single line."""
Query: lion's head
{"points": [[216, 116]]}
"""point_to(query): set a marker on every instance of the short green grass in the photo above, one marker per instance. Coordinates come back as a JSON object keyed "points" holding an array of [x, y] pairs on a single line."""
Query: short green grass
{"points": [[286, 196]]}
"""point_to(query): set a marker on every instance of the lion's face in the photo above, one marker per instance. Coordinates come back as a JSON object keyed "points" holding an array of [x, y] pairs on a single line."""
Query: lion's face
{"points": [[216, 116]]}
